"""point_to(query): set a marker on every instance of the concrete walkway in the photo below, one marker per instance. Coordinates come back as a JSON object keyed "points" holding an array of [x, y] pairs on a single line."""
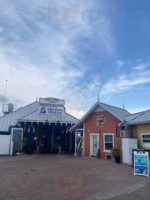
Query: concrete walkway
{"points": [[53, 177]]}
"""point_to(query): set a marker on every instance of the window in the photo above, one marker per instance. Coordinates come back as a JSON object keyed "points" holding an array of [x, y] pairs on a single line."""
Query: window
{"points": [[100, 121], [122, 133], [108, 142], [146, 139]]}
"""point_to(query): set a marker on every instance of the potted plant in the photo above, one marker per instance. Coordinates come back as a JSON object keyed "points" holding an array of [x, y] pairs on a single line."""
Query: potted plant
{"points": [[116, 151]]}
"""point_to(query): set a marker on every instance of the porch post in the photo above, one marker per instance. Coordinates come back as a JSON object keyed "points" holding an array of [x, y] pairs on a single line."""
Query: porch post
{"points": [[75, 150], [84, 139], [52, 137], [37, 138]]}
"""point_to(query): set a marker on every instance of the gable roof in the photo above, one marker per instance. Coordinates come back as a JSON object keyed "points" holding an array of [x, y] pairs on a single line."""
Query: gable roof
{"points": [[137, 118], [119, 113], [30, 113], [11, 119]]}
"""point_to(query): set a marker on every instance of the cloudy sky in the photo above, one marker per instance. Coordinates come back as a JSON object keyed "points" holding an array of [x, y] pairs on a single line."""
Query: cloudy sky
{"points": [[75, 50]]}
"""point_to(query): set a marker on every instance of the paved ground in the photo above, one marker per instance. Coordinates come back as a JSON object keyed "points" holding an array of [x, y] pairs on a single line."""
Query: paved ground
{"points": [[49, 177]]}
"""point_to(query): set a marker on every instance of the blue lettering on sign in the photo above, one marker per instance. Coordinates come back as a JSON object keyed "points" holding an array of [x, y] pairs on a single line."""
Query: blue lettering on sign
{"points": [[51, 110]]}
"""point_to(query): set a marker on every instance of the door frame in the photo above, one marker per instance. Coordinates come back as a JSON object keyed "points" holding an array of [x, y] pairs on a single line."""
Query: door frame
{"points": [[91, 142], [11, 137]]}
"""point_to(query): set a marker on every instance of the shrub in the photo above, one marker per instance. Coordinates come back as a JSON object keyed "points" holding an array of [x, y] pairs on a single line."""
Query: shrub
{"points": [[116, 151]]}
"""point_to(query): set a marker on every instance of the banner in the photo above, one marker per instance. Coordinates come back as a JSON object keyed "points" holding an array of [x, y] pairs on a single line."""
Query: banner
{"points": [[51, 110], [141, 163], [51, 106], [52, 102]]}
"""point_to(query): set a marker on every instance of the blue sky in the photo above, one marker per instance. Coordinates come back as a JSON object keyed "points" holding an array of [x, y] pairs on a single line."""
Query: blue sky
{"points": [[75, 50]]}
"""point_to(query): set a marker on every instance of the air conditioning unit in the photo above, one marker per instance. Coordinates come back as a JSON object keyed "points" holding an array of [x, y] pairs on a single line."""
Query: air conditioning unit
{"points": [[122, 134], [7, 108]]}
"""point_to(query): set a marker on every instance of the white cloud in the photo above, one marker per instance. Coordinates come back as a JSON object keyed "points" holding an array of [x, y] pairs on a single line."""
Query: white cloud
{"points": [[120, 64], [136, 110], [142, 66], [78, 114], [126, 81], [38, 51]]}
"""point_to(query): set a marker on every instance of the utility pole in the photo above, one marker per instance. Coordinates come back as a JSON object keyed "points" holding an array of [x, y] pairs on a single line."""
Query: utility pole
{"points": [[123, 106], [98, 97], [4, 95]]}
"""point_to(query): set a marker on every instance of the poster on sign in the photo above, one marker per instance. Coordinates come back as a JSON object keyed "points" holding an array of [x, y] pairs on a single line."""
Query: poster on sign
{"points": [[141, 163]]}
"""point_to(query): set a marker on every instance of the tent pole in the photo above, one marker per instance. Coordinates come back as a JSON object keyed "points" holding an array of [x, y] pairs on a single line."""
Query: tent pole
{"points": [[52, 138]]}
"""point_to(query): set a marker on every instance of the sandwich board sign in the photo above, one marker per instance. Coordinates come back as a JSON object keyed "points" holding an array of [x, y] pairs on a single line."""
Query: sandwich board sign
{"points": [[141, 163]]}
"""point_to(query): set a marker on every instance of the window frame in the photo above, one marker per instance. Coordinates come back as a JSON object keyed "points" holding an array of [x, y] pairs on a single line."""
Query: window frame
{"points": [[122, 134], [145, 144], [112, 134]]}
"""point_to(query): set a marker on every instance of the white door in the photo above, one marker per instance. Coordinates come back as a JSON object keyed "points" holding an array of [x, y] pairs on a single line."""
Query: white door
{"points": [[94, 144]]}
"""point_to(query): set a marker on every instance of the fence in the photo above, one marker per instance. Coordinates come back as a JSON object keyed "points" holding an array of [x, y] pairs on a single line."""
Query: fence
{"points": [[4, 144]]}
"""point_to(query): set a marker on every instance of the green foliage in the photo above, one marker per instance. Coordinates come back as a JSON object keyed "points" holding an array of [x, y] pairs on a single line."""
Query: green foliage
{"points": [[116, 151], [24, 141]]}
